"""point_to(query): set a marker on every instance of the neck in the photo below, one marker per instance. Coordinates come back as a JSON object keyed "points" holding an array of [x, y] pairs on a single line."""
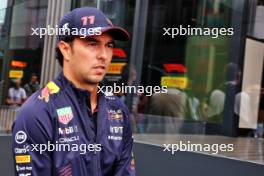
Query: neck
{"points": [[91, 88], [93, 100]]}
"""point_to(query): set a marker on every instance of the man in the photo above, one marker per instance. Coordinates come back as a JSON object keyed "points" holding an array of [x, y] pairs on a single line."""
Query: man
{"points": [[69, 127], [16, 94], [32, 86]]}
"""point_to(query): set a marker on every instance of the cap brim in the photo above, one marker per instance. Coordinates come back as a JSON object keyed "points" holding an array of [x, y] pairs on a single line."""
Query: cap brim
{"points": [[117, 33]]}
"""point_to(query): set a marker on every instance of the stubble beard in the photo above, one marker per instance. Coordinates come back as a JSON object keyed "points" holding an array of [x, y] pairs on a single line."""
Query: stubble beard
{"points": [[92, 81]]}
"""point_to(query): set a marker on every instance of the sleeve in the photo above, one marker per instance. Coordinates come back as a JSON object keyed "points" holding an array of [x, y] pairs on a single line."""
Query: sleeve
{"points": [[125, 163], [10, 93], [31, 129], [24, 95]]}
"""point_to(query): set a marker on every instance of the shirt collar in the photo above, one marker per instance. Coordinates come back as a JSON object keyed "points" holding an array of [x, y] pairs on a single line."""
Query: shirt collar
{"points": [[81, 93]]}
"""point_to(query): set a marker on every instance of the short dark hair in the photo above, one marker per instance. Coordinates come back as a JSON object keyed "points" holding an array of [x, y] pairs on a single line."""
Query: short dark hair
{"points": [[33, 74], [59, 56]]}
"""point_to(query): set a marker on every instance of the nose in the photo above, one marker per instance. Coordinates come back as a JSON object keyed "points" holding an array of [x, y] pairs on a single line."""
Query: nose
{"points": [[104, 53]]}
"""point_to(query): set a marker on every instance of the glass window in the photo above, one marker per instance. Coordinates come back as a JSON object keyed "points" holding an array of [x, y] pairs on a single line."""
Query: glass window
{"points": [[3, 12], [193, 67], [255, 18], [20, 52]]}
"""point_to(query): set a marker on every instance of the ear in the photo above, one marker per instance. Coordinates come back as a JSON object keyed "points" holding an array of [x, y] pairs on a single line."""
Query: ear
{"points": [[65, 49]]}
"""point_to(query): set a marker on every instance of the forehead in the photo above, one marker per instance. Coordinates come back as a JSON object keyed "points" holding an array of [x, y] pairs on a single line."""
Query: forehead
{"points": [[103, 38]]}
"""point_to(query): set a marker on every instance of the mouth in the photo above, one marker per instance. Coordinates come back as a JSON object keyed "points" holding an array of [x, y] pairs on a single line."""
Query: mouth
{"points": [[99, 69]]}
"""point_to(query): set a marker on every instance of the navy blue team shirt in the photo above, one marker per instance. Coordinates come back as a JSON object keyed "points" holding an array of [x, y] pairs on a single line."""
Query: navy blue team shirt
{"points": [[56, 133]]}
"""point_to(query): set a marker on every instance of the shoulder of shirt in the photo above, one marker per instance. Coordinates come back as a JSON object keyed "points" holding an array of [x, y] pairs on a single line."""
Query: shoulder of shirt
{"points": [[50, 92], [33, 109], [21, 89], [42, 99]]}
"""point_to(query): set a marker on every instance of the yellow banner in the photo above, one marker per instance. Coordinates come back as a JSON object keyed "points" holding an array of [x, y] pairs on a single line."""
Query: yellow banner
{"points": [[173, 81], [115, 68], [16, 74]]}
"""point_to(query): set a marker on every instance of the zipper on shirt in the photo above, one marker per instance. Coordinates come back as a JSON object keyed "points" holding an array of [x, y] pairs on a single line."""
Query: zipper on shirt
{"points": [[95, 160], [94, 154], [95, 169]]}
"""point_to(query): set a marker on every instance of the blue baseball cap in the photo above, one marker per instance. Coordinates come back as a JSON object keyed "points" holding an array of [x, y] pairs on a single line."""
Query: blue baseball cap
{"points": [[89, 21]]}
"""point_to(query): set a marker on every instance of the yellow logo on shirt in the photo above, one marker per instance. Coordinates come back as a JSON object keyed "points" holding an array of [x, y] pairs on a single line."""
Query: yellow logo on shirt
{"points": [[51, 88], [22, 159]]}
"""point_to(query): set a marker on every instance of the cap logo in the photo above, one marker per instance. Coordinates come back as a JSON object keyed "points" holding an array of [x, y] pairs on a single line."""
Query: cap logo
{"points": [[65, 26], [109, 22], [86, 18]]}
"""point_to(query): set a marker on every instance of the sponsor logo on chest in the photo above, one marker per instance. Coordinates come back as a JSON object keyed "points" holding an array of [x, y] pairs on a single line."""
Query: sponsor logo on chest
{"points": [[65, 115], [68, 130], [115, 115], [116, 129]]}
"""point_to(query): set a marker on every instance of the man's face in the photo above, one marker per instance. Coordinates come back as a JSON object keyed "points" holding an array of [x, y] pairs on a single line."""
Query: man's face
{"points": [[17, 83], [90, 57], [34, 79]]}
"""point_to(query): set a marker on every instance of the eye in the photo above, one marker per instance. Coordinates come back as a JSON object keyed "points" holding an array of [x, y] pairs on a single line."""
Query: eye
{"points": [[93, 44], [111, 45]]}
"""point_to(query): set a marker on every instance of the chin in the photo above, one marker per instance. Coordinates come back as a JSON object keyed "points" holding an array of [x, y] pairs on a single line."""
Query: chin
{"points": [[94, 80]]}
